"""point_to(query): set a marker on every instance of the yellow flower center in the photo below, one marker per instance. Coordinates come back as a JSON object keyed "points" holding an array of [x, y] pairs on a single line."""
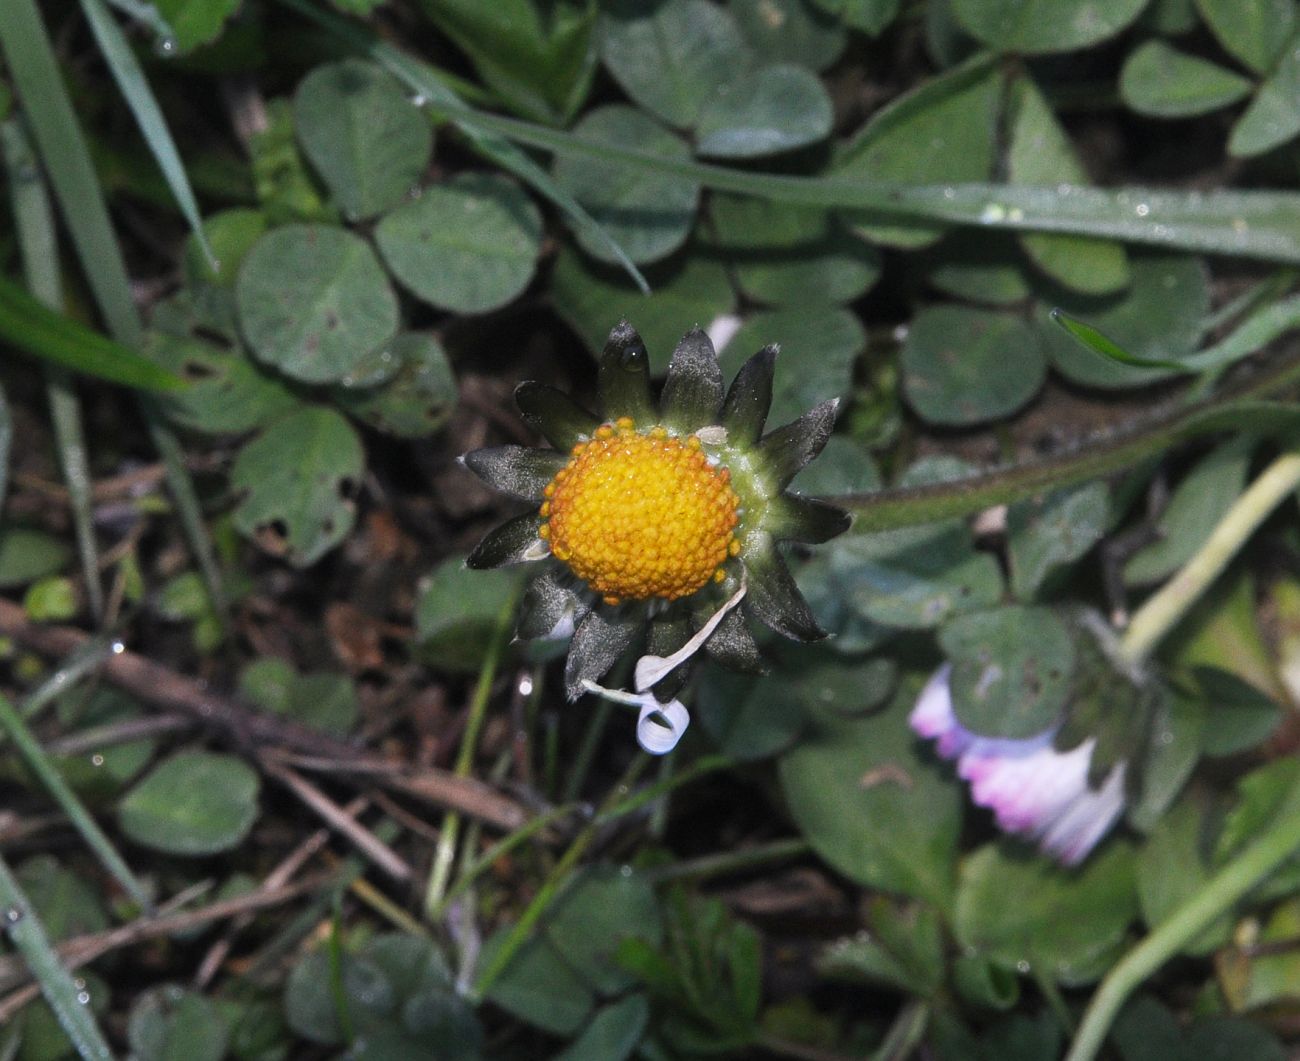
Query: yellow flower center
{"points": [[641, 515]]}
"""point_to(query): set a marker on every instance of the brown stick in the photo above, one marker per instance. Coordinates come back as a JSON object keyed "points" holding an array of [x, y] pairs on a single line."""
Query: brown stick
{"points": [[256, 733]]}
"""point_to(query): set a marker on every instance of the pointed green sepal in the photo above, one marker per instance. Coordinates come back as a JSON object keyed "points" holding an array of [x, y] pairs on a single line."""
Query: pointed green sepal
{"points": [[804, 519], [785, 450], [692, 391], [546, 602], [597, 645], [733, 646], [520, 470], [510, 543], [749, 399], [775, 600], [556, 416], [624, 380]]}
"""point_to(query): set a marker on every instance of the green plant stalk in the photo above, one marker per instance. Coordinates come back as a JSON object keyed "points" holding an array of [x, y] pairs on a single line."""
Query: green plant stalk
{"points": [[35, 75], [726, 862], [1164, 608], [554, 882], [33, 755], [1225, 888], [23, 927], [34, 222], [445, 853]]}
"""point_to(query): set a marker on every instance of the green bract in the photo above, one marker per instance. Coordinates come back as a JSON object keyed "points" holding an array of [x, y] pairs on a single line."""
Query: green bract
{"points": [[758, 467]]}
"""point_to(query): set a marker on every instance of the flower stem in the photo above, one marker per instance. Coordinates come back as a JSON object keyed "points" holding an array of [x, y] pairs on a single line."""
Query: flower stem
{"points": [[1255, 863], [440, 874], [1162, 611]]}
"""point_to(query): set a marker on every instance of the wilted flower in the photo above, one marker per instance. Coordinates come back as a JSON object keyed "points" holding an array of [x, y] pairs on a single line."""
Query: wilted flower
{"points": [[659, 515], [1033, 790]]}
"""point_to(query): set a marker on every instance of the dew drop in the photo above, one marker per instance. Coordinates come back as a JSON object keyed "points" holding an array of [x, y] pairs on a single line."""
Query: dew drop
{"points": [[117, 648], [1142, 209], [525, 685], [993, 213], [419, 100], [1022, 966], [625, 870], [13, 915], [83, 997], [96, 760], [166, 46], [950, 193]]}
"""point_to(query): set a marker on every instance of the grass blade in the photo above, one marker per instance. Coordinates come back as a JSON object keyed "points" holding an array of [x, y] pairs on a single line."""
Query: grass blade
{"points": [[36, 240], [1106, 347], [25, 930], [36, 761], [135, 90], [35, 76], [43, 333]]}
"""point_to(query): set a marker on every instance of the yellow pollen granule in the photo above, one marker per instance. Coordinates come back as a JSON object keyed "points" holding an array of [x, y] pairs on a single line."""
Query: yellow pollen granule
{"points": [[641, 515]]}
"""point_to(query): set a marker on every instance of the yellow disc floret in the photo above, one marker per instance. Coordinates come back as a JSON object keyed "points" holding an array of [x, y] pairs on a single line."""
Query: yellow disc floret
{"points": [[641, 515]]}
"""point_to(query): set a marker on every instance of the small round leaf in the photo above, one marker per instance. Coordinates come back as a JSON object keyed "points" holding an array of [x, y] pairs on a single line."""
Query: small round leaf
{"points": [[195, 803], [368, 142], [774, 109], [468, 244], [1011, 670], [313, 302], [967, 366]]}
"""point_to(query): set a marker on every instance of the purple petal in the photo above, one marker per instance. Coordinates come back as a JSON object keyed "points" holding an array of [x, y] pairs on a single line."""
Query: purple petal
{"points": [[933, 717]]}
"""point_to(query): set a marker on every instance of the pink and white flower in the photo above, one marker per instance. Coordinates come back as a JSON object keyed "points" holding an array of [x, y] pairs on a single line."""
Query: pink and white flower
{"points": [[1033, 790]]}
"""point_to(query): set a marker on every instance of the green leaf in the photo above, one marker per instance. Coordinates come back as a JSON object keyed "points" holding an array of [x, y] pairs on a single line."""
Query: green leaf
{"points": [[27, 554], [538, 58], [538, 986], [1163, 82], [1238, 715], [294, 478], [194, 22], [228, 393], [1012, 669], [599, 908], [770, 110], [1100, 344], [1041, 154], [870, 16], [169, 1023], [1047, 532], [873, 807], [313, 302], [1273, 116], [941, 131], [193, 803], [674, 56], [66, 904], [901, 947], [985, 267], [1198, 503], [416, 400], [819, 348], [1037, 27], [1156, 319], [37, 330], [367, 141], [468, 244], [613, 1033], [458, 609], [648, 214], [323, 701], [968, 366], [1065, 924], [792, 256], [790, 31], [687, 288], [1254, 31]]}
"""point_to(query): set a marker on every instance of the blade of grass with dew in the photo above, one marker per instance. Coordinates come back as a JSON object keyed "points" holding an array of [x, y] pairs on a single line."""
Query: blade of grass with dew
{"points": [[1253, 224], [65, 998], [37, 330], [39, 764], [34, 222], [34, 74], [146, 14], [124, 67], [1104, 346], [427, 85]]}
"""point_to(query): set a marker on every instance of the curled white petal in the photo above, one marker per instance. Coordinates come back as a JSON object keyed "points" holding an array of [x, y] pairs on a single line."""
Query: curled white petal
{"points": [[650, 669], [660, 726], [722, 329]]}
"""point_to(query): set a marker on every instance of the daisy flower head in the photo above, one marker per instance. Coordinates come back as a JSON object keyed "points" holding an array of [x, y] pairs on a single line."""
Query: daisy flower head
{"points": [[1034, 790], [660, 515]]}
